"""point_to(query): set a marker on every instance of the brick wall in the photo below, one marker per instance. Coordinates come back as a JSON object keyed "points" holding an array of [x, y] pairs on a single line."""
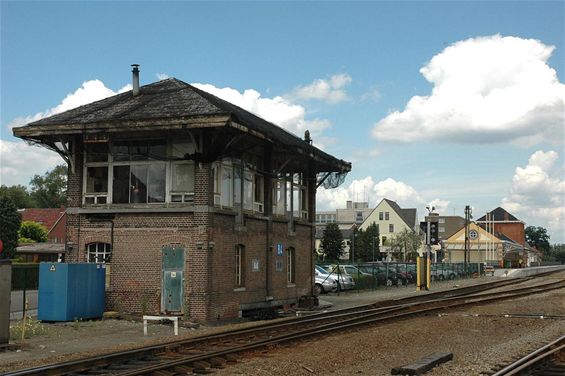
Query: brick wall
{"points": [[138, 238]]}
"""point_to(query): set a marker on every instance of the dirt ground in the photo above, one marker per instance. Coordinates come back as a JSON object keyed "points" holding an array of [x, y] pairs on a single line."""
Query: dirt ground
{"points": [[479, 338]]}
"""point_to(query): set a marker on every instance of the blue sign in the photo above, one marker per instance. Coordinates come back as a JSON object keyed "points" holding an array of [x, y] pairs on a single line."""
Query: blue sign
{"points": [[279, 249]]}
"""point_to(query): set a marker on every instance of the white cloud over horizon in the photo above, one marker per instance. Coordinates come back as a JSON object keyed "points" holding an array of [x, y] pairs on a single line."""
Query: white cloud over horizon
{"points": [[19, 162], [538, 193], [90, 91], [277, 110], [331, 90], [368, 190], [485, 90]]}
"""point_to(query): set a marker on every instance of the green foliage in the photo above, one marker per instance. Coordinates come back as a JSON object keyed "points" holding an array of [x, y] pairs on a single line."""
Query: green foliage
{"points": [[30, 328], [537, 237], [332, 242], [9, 226], [366, 242], [556, 253], [405, 244], [50, 190], [34, 231], [19, 194]]}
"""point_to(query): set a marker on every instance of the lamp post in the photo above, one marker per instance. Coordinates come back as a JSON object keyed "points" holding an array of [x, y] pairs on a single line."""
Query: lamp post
{"points": [[373, 249], [428, 243], [354, 227]]}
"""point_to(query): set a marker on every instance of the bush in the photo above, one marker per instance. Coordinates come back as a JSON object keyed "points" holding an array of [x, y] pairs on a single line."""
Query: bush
{"points": [[9, 225], [34, 231]]}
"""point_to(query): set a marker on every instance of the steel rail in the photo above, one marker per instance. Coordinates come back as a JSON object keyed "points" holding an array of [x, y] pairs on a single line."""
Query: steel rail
{"points": [[324, 329], [328, 318], [127, 354], [534, 358]]}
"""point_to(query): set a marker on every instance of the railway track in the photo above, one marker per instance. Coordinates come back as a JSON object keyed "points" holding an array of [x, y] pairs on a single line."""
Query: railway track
{"points": [[202, 355], [548, 360]]}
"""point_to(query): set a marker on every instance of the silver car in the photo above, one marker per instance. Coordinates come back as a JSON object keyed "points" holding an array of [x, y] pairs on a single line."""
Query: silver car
{"points": [[344, 282], [324, 282]]}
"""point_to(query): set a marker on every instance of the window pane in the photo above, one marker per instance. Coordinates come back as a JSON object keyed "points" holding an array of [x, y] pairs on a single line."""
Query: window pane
{"points": [[138, 184], [258, 188], [156, 183], [237, 184], [97, 152], [183, 177], [157, 150], [96, 179], [227, 186], [248, 191], [120, 151], [181, 149], [120, 185]]}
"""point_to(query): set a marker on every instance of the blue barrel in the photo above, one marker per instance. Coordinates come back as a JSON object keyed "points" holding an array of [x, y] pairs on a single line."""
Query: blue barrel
{"points": [[70, 292]]}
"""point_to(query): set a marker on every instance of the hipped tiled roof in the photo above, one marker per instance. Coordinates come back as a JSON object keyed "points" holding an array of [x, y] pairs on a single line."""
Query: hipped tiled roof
{"points": [[170, 100]]}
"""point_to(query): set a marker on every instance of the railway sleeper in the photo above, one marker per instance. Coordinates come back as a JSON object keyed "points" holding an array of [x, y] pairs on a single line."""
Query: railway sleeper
{"points": [[201, 366], [184, 370], [218, 362]]}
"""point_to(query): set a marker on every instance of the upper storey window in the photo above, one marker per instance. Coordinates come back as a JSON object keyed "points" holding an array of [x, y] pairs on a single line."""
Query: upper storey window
{"points": [[139, 171]]}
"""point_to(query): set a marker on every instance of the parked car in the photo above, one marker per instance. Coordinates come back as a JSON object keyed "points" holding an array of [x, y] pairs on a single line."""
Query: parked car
{"points": [[383, 276], [344, 281], [324, 282]]}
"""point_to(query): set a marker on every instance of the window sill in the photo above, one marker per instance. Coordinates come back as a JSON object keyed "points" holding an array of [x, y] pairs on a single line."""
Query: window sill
{"points": [[290, 285], [239, 289]]}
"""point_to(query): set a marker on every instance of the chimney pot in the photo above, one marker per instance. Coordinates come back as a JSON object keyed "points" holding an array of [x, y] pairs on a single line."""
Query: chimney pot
{"points": [[135, 79]]}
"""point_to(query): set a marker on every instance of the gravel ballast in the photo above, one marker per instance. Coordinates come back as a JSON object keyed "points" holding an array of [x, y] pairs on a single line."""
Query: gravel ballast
{"points": [[479, 337]]}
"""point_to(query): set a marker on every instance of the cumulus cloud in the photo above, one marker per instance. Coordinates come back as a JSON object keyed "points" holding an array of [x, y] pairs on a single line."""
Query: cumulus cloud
{"points": [[367, 189], [330, 90], [485, 90], [537, 193], [277, 110], [90, 91], [162, 76], [19, 162]]}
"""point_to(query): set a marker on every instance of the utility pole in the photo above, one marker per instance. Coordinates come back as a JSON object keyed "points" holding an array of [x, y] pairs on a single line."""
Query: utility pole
{"points": [[468, 217]]}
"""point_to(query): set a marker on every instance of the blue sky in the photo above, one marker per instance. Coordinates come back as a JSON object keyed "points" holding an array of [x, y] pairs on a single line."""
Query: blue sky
{"points": [[450, 103]]}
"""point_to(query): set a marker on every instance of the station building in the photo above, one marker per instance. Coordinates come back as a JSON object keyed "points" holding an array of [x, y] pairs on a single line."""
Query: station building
{"points": [[194, 205]]}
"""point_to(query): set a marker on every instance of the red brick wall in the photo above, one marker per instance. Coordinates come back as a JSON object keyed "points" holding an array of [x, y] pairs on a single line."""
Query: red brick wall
{"points": [[514, 231], [138, 239]]}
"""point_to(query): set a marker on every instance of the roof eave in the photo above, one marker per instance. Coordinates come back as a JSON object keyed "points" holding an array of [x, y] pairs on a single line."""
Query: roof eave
{"points": [[41, 131]]}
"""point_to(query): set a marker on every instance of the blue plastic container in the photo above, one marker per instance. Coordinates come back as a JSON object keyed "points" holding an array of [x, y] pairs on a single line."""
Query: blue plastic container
{"points": [[70, 292]]}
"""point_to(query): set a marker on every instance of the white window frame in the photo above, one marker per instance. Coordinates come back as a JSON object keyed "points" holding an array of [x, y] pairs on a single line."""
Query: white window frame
{"points": [[98, 249]]}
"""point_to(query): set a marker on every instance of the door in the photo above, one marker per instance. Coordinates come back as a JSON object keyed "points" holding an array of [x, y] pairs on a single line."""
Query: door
{"points": [[172, 284]]}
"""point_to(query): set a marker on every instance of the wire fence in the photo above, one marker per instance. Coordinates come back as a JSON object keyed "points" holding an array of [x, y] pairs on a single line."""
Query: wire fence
{"points": [[370, 276]]}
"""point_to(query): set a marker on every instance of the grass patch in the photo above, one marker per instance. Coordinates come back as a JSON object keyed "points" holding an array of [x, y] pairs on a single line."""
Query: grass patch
{"points": [[31, 328]]}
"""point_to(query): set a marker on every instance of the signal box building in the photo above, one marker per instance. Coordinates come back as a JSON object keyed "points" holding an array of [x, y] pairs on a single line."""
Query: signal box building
{"points": [[196, 206]]}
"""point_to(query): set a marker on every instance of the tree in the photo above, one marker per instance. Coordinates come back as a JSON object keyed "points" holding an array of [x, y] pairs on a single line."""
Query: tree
{"points": [[30, 230], [50, 190], [367, 244], [332, 242], [537, 237], [19, 195], [557, 253], [405, 244], [9, 226]]}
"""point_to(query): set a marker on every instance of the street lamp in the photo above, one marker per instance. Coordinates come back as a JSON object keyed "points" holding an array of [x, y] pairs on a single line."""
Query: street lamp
{"points": [[429, 245]]}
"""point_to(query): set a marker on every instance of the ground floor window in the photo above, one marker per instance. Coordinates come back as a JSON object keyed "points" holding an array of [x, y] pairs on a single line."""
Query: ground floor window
{"points": [[290, 266], [99, 253], [239, 265]]}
